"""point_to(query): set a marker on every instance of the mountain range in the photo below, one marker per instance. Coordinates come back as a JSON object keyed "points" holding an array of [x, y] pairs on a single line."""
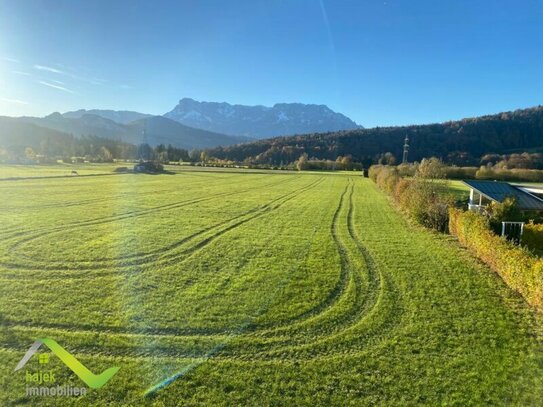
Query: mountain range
{"points": [[460, 142], [119, 116], [190, 124], [259, 121], [152, 130]]}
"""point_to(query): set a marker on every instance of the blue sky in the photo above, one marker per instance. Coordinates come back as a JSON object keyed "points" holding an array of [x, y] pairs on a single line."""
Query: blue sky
{"points": [[384, 62]]}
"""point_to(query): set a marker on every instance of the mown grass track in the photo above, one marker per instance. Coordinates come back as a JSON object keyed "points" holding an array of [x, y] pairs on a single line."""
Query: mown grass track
{"points": [[159, 255], [277, 289]]}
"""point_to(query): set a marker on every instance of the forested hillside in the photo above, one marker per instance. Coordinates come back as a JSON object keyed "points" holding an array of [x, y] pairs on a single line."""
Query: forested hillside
{"points": [[461, 142], [24, 142]]}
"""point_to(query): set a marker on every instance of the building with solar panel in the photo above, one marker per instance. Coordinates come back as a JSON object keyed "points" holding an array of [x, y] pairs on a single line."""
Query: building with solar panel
{"points": [[528, 198]]}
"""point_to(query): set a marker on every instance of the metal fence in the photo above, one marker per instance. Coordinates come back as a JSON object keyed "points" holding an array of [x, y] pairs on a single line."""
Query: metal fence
{"points": [[513, 231]]}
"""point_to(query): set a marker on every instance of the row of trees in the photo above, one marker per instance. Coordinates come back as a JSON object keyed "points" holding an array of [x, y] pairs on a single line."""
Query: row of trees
{"points": [[56, 147], [508, 161], [94, 149], [486, 172], [164, 154], [340, 163]]}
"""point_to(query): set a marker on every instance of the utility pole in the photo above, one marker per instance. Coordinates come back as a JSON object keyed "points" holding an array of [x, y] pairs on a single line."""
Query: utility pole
{"points": [[405, 149], [144, 146], [144, 134]]}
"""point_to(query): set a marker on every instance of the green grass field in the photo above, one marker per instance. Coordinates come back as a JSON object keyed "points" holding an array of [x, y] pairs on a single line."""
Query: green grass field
{"points": [[58, 170], [236, 288], [458, 189]]}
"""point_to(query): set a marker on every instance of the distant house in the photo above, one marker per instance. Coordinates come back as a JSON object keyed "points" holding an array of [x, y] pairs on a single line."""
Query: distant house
{"points": [[148, 167], [529, 199]]}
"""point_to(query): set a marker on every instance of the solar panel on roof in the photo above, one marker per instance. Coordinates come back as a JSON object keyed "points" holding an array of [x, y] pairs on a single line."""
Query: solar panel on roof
{"points": [[498, 191]]}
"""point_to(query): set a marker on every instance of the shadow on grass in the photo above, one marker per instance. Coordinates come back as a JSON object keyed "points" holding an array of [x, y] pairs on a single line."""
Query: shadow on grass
{"points": [[165, 172]]}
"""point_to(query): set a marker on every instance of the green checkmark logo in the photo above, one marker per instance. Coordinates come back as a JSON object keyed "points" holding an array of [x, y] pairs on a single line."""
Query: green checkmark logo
{"points": [[90, 379]]}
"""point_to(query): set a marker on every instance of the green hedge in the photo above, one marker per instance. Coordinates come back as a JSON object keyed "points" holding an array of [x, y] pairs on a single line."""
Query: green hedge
{"points": [[483, 172], [520, 269], [532, 237], [421, 199], [515, 174]]}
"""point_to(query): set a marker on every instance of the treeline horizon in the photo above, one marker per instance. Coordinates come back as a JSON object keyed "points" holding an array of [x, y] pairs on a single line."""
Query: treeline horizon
{"points": [[462, 143], [506, 140], [94, 149]]}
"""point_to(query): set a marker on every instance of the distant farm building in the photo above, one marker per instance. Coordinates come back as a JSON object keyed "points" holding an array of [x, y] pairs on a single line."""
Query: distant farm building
{"points": [[148, 167], [529, 199]]}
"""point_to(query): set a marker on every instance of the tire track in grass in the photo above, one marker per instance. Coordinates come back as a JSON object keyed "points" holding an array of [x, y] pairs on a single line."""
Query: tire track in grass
{"points": [[306, 342], [63, 266], [374, 330], [136, 259], [207, 332], [132, 214], [333, 296], [310, 327], [13, 233], [375, 335], [80, 202], [262, 211], [172, 332], [375, 320], [170, 258], [174, 258], [171, 378], [118, 196]]}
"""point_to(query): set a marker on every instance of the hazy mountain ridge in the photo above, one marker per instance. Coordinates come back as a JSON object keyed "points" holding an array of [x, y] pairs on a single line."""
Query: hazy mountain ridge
{"points": [[259, 121], [193, 124], [161, 130], [18, 134], [158, 130], [86, 124], [118, 116]]}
